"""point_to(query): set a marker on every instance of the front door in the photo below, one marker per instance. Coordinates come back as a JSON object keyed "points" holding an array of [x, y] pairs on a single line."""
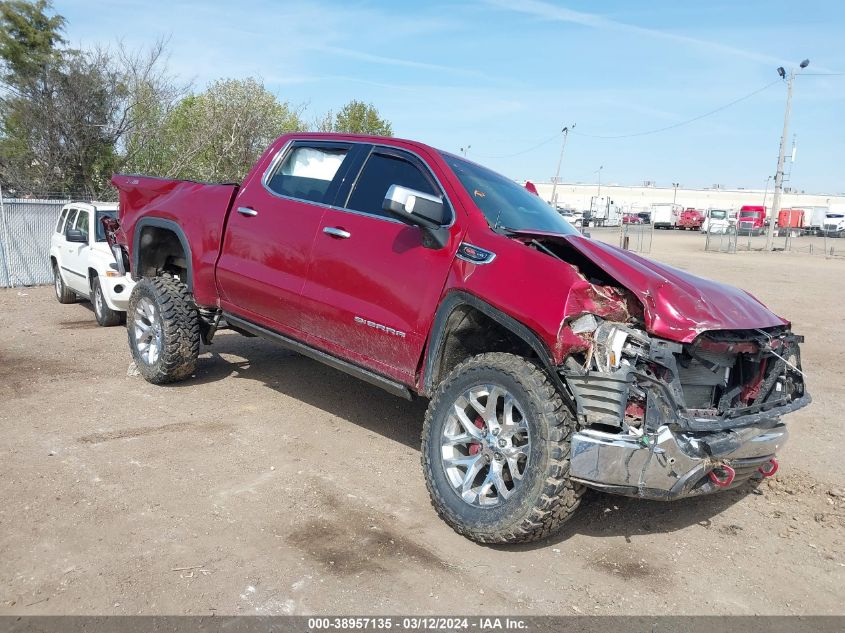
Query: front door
{"points": [[76, 254], [373, 287], [270, 232]]}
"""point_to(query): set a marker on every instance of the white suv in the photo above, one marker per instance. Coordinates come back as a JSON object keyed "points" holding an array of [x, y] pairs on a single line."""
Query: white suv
{"points": [[84, 265]]}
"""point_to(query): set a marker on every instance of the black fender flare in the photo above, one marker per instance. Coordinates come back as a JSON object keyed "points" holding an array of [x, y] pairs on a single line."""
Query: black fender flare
{"points": [[458, 298], [171, 226]]}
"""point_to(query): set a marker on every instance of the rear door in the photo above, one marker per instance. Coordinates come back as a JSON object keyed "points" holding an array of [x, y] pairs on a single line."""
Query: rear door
{"points": [[270, 232], [373, 287]]}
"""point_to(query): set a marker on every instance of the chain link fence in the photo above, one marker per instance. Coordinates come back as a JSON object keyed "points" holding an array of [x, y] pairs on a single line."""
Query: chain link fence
{"points": [[792, 241], [25, 228], [636, 237]]}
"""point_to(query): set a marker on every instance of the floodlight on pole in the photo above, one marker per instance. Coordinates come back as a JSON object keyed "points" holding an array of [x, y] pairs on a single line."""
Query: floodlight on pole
{"points": [[790, 80]]}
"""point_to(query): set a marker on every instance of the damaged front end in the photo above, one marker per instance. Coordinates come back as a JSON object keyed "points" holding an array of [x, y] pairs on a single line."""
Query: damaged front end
{"points": [[664, 420]]}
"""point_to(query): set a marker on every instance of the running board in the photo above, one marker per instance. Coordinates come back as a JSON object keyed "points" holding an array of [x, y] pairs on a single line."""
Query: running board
{"points": [[391, 386]]}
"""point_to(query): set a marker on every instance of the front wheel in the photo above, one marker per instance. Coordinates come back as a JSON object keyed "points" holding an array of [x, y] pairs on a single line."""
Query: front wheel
{"points": [[495, 451], [164, 330], [104, 314]]}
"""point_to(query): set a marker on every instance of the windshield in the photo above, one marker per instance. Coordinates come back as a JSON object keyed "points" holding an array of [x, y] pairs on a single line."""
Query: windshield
{"points": [[835, 216], [749, 214], [718, 215], [101, 234], [504, 203]]}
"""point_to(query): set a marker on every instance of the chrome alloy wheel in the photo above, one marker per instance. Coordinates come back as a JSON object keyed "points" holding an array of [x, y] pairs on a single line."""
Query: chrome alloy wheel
{"points": [[486, 446], [147, 330], [98, 302]]}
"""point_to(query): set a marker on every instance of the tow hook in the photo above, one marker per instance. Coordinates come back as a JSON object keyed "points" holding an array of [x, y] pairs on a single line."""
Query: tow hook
{"points": [[722, 480], [769, 468]]}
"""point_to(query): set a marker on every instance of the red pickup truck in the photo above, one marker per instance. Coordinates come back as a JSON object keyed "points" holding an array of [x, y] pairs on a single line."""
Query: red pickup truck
{"points": [[552, 362]]}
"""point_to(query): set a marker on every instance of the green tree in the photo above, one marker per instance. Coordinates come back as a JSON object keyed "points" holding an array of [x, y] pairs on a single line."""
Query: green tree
{"points": [[218, 135], [357, 117], [28, 38]]}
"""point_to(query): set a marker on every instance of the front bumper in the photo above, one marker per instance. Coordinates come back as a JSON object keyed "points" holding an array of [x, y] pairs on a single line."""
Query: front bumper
{"points": [[669, 464], [116, 291]]}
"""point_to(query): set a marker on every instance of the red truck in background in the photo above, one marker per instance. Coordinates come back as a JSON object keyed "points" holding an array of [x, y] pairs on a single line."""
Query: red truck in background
{"points": [[691, 219], [751, 220], [552, 362]]}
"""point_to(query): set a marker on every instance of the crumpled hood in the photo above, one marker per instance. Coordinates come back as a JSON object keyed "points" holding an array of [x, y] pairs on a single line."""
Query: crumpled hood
{"points": [[678, 306]]}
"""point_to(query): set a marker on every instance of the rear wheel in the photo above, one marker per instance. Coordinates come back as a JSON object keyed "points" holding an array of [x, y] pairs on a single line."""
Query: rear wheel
{"points": [[104, 314], [163, 329], [495, 451], [63, 293]]}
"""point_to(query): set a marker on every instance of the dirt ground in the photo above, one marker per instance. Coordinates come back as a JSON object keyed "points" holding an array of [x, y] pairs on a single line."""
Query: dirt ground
{"points": [[270, 484]]}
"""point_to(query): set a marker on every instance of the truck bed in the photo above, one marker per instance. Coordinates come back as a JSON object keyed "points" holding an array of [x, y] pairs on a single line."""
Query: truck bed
{"points": [[198, 209]]}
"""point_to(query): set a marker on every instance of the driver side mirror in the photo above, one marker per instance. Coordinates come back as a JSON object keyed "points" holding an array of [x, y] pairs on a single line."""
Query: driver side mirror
{"points": [[422, 209], [75, 235]]}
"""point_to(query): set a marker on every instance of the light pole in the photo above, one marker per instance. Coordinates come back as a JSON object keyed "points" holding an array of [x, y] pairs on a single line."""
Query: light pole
{"points": [[565, 131], [766, 190], [675, 185], [790, 79], [598, 195], [464, 150]]}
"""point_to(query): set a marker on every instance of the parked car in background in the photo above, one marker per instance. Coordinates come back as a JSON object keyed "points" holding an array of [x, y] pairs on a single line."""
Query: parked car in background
{"points": [[645, 217], [716, 221], [631, 218], [552, 362], [691, 219], [85, 266], [571, 215], [665, 215], [751, 220]]}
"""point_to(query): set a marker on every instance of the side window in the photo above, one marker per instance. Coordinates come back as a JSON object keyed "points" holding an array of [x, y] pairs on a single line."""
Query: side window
{"points": [[379, 173], [307, 172], [82, 222], [61, 221], [71, 218]]}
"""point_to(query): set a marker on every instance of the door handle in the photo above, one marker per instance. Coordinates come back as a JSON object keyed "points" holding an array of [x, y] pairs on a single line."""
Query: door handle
{"points": [[247, 211], [336, 232]]}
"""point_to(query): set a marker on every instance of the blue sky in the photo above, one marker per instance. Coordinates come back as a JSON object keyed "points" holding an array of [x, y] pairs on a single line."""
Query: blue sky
{"points": [[503, 76]]}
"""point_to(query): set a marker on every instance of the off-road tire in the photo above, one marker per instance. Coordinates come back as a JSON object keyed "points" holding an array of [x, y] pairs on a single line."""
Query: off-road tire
{"points": [[180, 328], [63, 293], [105, 316], [547, 497]]}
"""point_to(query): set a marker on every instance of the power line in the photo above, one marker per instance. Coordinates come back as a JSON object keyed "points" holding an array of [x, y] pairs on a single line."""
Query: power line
{"points": [[681, 123], [525, 151]]}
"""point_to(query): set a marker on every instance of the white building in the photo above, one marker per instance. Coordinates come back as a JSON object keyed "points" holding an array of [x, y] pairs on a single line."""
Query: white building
{"points": [[634, 199]]}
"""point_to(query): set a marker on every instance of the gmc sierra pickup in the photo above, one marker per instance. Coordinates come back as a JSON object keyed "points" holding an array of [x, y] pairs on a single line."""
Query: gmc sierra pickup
{"points": [[552, 362]]}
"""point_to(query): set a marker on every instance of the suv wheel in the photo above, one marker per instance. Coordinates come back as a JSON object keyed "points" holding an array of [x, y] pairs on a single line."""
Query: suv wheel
{"points": [[63, 294], [495, 451], [105, 315], [163, 328]]}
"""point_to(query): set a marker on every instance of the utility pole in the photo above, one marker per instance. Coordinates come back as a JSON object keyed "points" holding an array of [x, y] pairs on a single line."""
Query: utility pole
{"points": [[790, 79], [565, 131], [464, 150], [675, 185], [599, 170]]}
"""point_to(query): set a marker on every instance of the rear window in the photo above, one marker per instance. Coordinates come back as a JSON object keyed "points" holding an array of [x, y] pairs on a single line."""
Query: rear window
{"points": [[306, 173]]}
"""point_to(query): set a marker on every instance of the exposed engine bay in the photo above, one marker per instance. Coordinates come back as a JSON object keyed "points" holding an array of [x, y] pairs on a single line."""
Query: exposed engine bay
{"points": [[664, 419]]}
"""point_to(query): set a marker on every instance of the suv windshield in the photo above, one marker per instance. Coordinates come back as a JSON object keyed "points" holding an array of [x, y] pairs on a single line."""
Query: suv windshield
{"points": [[101, 234], [504, 203], [718, 215]]}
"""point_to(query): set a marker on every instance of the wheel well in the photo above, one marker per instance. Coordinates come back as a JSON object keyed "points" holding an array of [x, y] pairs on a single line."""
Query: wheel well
{"points": [[160, 250], [91, 274], [469, 332]]}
